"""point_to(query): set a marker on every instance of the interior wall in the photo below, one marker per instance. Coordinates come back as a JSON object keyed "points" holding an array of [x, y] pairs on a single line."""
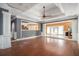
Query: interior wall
{"points": [[75, 30], [27, 33], [30, 33], [41, 27], [18, 28], [1, 23]]}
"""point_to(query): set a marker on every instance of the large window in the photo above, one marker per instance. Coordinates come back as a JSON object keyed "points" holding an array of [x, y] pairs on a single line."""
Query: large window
{"points": [[33, 26], [55, 31], [61, 32], [29, 26], [48, 30]]}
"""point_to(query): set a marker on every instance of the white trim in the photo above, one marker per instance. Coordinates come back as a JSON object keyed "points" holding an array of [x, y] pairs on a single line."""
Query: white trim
{"points": [[25, 38], [5, 41], [34, 37]]}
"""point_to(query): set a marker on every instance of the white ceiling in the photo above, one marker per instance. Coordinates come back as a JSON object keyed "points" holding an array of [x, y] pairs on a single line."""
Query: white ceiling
{"points": [[37, 10], [22, 6], [34, 11]]}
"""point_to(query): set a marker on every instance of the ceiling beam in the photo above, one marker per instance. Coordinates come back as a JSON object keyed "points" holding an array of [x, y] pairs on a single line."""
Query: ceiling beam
{"points": [[59, 5], [21, 15], [64, 18], [77, 10]]}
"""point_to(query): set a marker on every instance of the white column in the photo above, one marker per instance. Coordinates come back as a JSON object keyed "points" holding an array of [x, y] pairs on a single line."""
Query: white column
{"points": [[5, 38], [75, 29]]}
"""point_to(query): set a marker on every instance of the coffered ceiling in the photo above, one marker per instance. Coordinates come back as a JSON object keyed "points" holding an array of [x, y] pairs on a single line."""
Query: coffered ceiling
{"points": [[21, 6], [34, 11]]}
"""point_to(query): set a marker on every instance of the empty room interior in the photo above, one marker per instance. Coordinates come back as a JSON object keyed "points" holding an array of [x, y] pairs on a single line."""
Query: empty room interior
{"points": [[39, 29]]}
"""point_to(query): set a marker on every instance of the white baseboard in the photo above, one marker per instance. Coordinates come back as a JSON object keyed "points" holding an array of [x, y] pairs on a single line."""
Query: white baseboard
{"points": [[34, 37], [25, 38]]}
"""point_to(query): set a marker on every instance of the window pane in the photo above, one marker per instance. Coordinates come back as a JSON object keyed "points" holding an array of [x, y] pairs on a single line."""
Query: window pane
{"points": [[48, 30], [60, 30]]}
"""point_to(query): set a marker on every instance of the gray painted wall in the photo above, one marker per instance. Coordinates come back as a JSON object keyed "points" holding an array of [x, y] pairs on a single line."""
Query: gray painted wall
{"points": [[23, 34], [30, 33], [18, 28], [1, 23], [41, 27], [1, 20]]}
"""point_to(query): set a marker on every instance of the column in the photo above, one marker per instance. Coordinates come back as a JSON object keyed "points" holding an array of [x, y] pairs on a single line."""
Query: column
{"points": [[18, 28], [75, 30], [5, 37]]}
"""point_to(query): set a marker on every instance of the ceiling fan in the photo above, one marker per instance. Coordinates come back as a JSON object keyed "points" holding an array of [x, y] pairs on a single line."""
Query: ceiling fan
{"points": [[49, 16]]}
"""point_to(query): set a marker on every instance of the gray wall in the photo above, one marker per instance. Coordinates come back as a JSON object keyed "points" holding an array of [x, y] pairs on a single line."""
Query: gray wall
{"points": [[30, 33], [23, 34], [41, 27], [1, 20], [18, 28], [1, 23]]}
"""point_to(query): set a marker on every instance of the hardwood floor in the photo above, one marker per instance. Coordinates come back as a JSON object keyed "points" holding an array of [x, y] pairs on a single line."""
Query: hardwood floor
{"points": [[42, 46]]}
